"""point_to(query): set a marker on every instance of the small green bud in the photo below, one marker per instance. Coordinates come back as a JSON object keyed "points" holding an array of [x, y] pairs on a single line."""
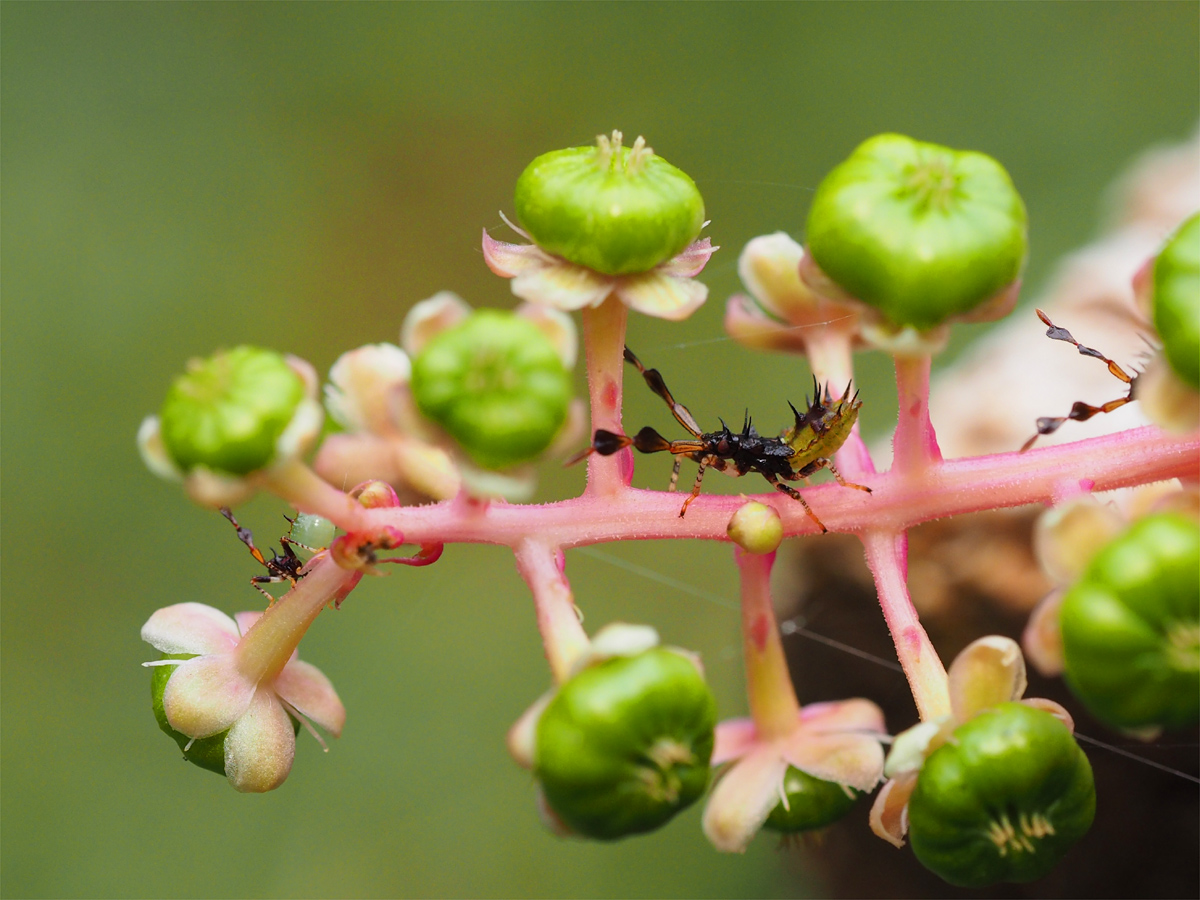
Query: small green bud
{"points": [[756, 528], [811, 803], [1131, 626], [617, 210], [625, 744], [1003, 800], [496, 384], [918, 231], [207, 753], [227, 412], [1177, 301]]}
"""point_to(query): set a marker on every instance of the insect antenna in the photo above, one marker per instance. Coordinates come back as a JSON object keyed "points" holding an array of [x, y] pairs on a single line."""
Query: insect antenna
{"points": [[1080, 411]]}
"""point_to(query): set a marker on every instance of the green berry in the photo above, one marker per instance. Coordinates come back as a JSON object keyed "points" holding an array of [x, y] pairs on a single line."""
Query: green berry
{"points": [[812, 803], [496, 384], [1177, 301], [1131, 626], [918, 231], [227, 412], [207, 753], [312, 531], [626, 744], [1003, 800], [613, 209]]}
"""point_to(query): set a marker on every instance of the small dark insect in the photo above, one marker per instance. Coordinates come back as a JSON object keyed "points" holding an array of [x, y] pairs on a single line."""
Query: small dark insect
{"points": [[798, 452], [1080, 411], [279, 568]]}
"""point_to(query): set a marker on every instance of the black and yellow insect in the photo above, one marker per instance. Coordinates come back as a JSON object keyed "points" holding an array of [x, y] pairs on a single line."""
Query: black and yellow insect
{"points": [[799, 452], [287, 567]]}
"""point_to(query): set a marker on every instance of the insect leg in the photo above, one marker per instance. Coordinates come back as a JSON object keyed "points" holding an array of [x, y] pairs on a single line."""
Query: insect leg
{"points": [[842, 481], [705, 461], [256, 581], [1080, 411], [675, 474], [655, 382], [795, 495]]}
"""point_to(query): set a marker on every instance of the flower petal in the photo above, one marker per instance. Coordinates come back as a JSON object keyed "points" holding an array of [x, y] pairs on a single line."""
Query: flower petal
{"points": [[522, 737], [743, 799], [154, 451], [1055, 709], [770, 268], [854, 714], [361, 384], [443, 310], [301, 431], [190, 628], [663, 296], [206, 695], [260, 746], [747, 324], [557, 326], [989, 671], [853, 759], [889, 812], [562, 285], [734, 739], [691, 261], [216, 489], [311, 693], [509, 260], [1042, 638]]}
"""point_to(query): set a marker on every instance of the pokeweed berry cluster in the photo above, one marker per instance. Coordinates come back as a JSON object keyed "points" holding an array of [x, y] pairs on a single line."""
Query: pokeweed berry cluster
{"points": [[905, 238]]}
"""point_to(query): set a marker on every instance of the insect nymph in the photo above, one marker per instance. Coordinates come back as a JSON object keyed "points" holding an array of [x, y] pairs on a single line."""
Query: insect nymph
{"points": [[799, 452], [287, 567]]}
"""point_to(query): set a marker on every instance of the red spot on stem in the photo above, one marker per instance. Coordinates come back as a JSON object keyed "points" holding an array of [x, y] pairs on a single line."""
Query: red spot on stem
{"points": [[760, 629]]}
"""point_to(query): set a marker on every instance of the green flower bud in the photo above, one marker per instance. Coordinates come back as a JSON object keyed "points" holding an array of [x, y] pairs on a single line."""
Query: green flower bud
{"points": [[227, 412], [918, 231], [613, 209], [1177, 301], [811, 803], [1003, 800], [207, 753], [312, 531], [625, 744], [1131, 626], [496, 384]]}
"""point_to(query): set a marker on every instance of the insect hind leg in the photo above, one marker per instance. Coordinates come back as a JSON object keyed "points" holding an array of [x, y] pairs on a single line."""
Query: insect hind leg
{"points": [[795, 495]]}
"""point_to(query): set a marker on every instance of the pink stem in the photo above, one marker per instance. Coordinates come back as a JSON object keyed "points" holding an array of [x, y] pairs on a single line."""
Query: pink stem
{"points": [[266, 648], [915, 446], [959, 486], [542, 567], [887, 557], [300, 486], [773, 703], [604, 342]]}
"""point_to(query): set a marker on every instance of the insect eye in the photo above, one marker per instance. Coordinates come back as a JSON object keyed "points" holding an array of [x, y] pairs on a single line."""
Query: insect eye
{"points": [[722, 447]]}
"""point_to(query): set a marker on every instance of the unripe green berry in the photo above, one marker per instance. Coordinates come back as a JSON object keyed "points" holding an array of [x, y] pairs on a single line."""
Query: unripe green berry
{"points": [[812, 803], [756, 528], [625, 744], [312, 531], [1177, 301], [496, 384], [614, 209], [227, 411], [207, 753], [919, 231], [1003, 800], [1131, 626]]}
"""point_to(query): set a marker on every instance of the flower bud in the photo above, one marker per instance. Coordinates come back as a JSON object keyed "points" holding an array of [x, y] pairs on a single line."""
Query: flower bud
{"points": [[617, 210], [811, 803], [496, 384], [227, 412], [1177, 301], [919, 231], [1003, 800], [756, 528], [1131, 626], [625, 744], [312, 531]]}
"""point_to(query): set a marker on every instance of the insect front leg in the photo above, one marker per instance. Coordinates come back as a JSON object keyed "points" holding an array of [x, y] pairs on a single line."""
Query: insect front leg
{"points": [[842, 481], [705, 462], [257, 582]]}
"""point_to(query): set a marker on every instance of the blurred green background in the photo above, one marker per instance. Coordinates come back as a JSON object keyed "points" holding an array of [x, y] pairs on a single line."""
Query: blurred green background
{"points": [[178, 177]]}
